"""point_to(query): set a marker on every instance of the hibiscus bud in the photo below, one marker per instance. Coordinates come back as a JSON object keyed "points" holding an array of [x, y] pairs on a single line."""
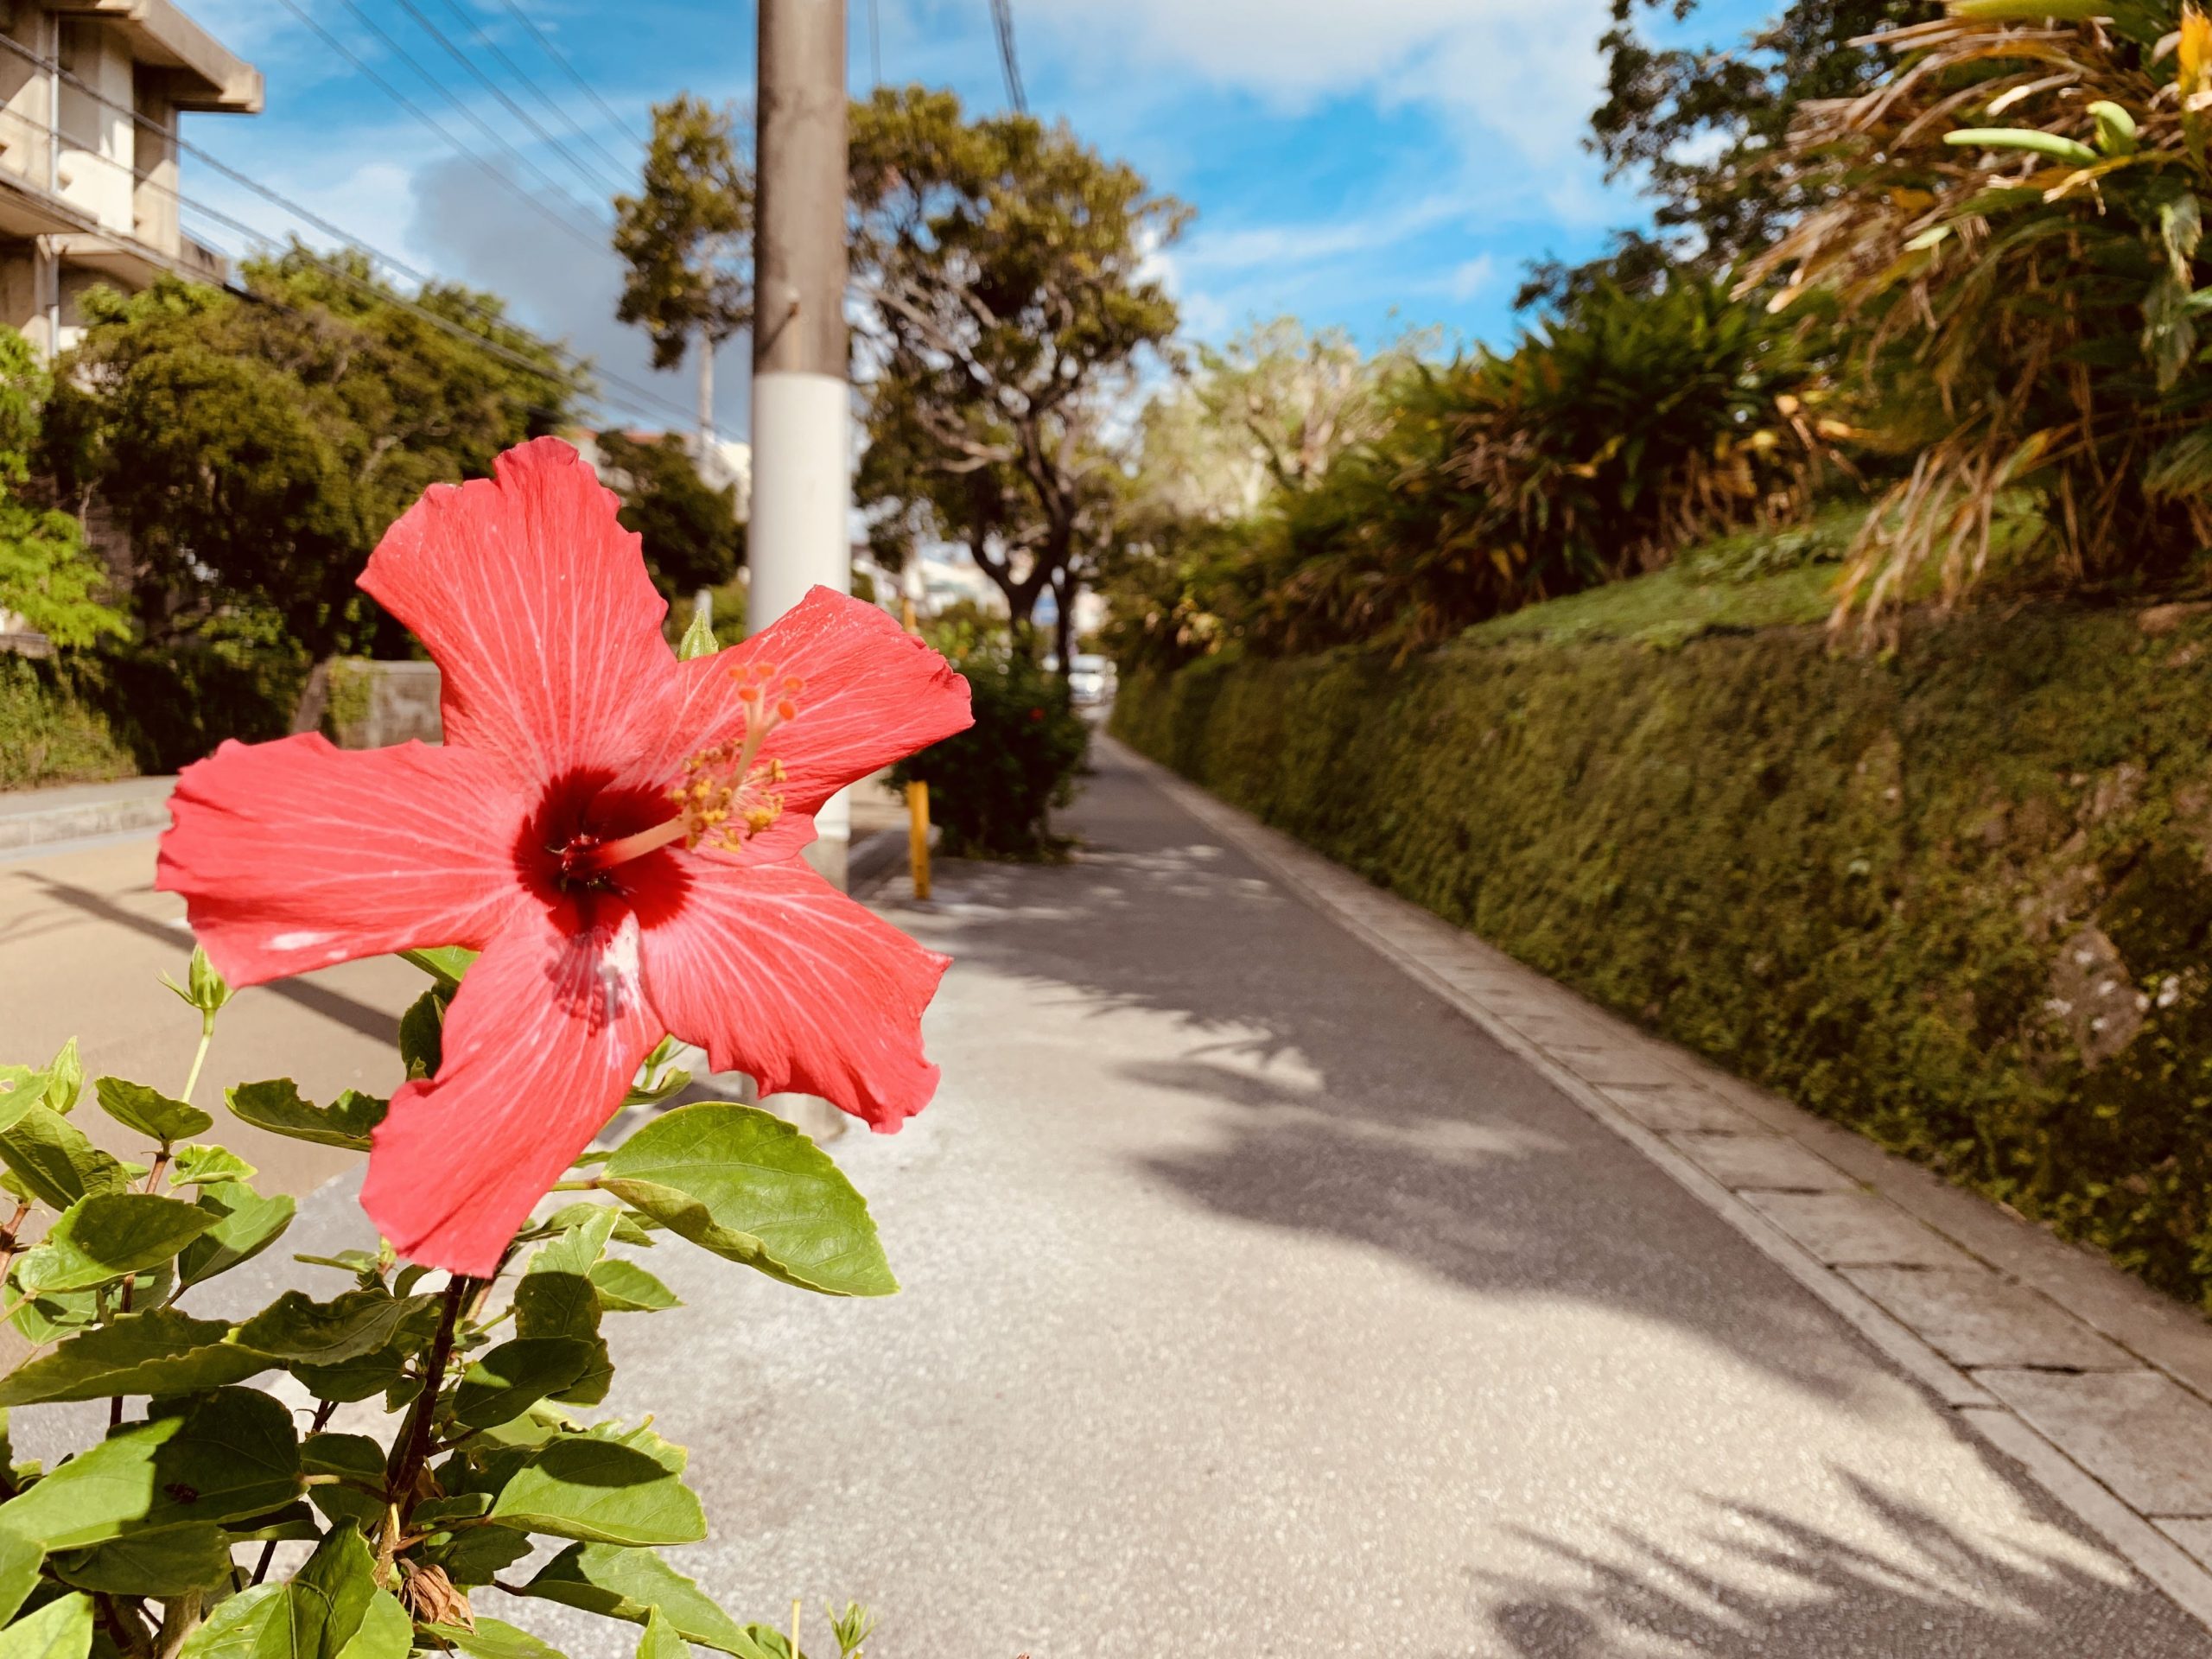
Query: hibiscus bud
{"points": [[699, 637], [203, 987]]}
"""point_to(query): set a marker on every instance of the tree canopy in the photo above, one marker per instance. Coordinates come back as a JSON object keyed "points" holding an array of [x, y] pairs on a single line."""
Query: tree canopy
{"points": [[1007, 298], [255, 445], [686, 237], [692, 536]]}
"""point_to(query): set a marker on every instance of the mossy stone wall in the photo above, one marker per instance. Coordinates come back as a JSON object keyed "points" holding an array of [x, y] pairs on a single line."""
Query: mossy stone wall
{"points": [[1959, 897]]}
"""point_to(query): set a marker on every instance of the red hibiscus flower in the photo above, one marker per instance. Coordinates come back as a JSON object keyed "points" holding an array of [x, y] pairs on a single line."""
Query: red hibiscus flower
{"points": [[616, 831]]}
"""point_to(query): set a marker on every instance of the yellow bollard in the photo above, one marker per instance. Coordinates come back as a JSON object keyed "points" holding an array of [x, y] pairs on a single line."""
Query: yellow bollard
{"points": [[918, 802], [918, 836]]}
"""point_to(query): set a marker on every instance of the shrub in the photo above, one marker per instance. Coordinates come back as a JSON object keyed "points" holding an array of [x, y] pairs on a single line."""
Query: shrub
{"points": [[1615, 434], [993, 787], [1957, 898], [2013, 229]]}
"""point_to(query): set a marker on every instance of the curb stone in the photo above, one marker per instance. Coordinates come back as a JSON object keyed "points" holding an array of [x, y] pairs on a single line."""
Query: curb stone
{"points": [[2087, 1379]]}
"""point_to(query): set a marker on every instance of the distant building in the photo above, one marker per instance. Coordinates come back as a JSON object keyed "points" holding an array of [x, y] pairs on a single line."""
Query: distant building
{"points": [[90, 93], [726, 463]]}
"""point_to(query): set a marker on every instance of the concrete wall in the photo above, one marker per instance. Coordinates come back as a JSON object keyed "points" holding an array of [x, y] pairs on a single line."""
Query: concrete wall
{"points": [[99, 143], [372, 704]]}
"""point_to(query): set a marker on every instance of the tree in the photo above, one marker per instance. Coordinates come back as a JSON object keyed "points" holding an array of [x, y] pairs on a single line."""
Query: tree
{"points": [[687, 239], [1006, 302], [48, 576], [693, 538], [255, 446], [1706, 128]]}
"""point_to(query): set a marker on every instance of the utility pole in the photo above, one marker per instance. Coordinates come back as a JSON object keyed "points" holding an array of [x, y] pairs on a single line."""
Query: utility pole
{"points": [[800, 533], [705, 347]]}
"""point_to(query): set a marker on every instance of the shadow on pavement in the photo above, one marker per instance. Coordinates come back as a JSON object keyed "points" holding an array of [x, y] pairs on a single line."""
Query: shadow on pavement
{"points": [[1792, 1592], [1345, 1099]]}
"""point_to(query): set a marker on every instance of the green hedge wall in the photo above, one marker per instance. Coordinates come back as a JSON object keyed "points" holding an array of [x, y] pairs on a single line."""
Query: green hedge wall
{"points": [[86, 717], [1960, 897]]}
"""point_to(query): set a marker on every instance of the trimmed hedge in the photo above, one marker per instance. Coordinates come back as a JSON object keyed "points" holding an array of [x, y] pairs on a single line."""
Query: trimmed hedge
{"points": [[87, 717], [1959, 897]]}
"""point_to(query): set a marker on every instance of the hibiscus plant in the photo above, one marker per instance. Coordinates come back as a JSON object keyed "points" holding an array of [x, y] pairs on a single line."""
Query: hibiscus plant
{"points": [[604, 853]]}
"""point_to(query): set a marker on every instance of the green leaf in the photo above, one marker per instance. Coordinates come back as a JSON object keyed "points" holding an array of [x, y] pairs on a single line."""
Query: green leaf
{"points": [[745, 1184], [244, 1224], [660, 1640], [150, 1112], [614, 1582], [359, 1462], [2029, 138], [206, 1166], [19, 1561], [601, 1490], [54, 1162], [256, 1623], [554, 1297], [234, 1454], [478, 1555], [295, 1327], [329, 1610], [517, 1374], [385, 1631], [448, 961], [104, 1237], [45, 1318], [353, 1379], [628, 1228], [493, 1640], [276, 1106], [626, 1287], [422, 1033], [61, 1630], [158, 1351], [172, 1563]]}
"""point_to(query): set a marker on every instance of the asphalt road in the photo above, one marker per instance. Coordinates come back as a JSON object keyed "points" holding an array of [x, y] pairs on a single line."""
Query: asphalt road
{"points": [[1258, 1306]]}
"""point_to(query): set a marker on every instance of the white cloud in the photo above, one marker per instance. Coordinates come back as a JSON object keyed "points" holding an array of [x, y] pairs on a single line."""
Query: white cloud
{"points": [[1472, 276], [1518, 77]]}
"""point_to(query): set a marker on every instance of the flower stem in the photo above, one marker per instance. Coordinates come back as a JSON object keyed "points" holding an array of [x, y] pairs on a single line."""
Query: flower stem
{"points": [[200, 1057], [412, 1450]]}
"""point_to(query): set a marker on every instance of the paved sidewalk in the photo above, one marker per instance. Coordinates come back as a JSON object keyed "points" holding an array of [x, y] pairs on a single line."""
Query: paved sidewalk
{"points": [[1259, 1304], [47, 818]]}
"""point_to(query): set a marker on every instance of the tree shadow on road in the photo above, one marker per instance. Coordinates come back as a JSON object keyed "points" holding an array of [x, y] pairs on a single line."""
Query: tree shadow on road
{"points": [[1781, 1589], [1340, 1098]]}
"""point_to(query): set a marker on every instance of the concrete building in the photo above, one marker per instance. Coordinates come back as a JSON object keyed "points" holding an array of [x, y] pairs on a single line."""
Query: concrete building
{"points": [[90, 94]]}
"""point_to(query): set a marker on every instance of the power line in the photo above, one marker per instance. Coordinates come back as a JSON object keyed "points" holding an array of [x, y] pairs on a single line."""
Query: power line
{"points": [[560, 60], [648, 397], [426, 118], [559, 110], [1003, 20], [476, 71], [446, 92], [499, 139]]}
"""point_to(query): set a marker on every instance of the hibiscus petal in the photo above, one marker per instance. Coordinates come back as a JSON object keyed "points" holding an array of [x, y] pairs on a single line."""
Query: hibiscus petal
{"points": [[549, 1025], [535, 602], [294, 854], [777, 975], [872, 694]]}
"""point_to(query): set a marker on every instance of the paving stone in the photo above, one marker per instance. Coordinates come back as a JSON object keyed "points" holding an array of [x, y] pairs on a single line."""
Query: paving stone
{"points": [[1616, 1065], [1768, 1162], [1676, 1107], [2194, 1536], [2141, 1432], [1976, 1318], [1856, 1229]]}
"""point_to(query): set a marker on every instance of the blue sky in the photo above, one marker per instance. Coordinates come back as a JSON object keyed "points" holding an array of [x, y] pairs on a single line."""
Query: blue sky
{"points": [[1375, 164]]}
